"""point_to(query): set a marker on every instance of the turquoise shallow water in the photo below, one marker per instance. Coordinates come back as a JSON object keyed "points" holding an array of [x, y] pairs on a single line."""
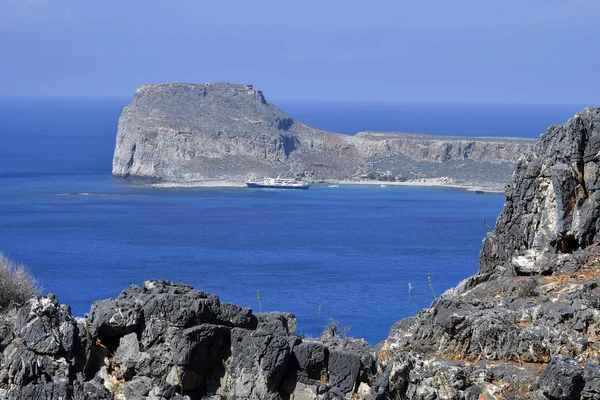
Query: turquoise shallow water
{"points": [[349, 251]]}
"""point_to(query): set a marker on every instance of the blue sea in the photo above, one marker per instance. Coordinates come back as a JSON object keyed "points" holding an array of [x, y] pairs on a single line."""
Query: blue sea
{"points": [[347, 253]]}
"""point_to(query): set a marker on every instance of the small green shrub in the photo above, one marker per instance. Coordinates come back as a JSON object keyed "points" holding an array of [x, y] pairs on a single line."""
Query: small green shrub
{"points": [[16, 284]]}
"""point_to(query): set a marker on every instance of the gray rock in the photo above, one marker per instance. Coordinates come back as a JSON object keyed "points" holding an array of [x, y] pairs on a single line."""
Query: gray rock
{"points": [[591, 376], [311, 359], [45, 391], [109, 318], [562, 379], [94, 390], [473, 392], [128, 355], [45, 327], [551, 205], [343, 367], [140, 386], [277, 323]]}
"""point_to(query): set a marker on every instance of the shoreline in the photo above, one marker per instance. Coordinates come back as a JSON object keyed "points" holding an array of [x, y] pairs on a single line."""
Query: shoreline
{"points": [[428, 182], [423, 182]]}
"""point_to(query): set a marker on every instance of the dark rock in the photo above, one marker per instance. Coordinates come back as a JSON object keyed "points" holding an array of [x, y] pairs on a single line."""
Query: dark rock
{"points": [[128, 355], [591, 376], [94, 390], [138, 386], [277, 323], [343, 367], [44, 391], [310, 358], [110, 318], [562, 379], [45, 327], [473, 392]]}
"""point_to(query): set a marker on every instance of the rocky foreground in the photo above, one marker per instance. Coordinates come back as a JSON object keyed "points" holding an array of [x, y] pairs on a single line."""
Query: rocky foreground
{"points": [[225, 132], [525, 326]]}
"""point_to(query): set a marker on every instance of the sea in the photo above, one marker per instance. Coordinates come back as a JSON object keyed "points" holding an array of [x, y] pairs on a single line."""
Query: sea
{"points": [[363, 256]]}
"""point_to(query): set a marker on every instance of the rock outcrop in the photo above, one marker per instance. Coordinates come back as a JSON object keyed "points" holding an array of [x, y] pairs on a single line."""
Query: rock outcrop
{"points": [[224, 131], [170, 341], [553, 203], [527, 324]]}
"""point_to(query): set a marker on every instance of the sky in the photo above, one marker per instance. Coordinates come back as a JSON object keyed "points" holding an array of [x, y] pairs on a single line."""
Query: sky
{"points": [[516, 51]]}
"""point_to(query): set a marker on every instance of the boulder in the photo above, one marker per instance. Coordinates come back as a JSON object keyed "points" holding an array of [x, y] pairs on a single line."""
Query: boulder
{"points": [[562, 379]]}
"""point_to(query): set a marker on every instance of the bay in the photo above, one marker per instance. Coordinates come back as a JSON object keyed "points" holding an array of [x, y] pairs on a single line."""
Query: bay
{"points": [[347, 253]]}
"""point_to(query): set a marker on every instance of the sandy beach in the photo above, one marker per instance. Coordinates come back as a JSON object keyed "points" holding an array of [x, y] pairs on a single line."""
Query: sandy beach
{"points": [[431, 182], [427, 182]]}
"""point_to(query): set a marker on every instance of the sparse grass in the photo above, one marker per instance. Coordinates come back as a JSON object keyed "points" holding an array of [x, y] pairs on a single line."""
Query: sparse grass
{"points": [[334, 329], [527, 287], [16, 284]]}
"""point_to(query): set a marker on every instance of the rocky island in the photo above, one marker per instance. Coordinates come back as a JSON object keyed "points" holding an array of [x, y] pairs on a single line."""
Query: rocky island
{"points": [[525, 326], [186, 133]]}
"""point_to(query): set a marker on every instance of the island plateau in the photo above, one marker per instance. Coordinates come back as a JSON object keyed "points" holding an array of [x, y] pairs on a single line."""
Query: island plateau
{"points": [[186, 133]]}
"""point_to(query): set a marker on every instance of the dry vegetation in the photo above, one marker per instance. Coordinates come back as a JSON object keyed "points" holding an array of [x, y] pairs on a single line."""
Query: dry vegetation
{"points": [[16, 284]]}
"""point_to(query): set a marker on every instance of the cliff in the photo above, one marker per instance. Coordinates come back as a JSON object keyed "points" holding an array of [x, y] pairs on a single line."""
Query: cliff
{"points": [[525, 326], [225, 131], [528, 322]]}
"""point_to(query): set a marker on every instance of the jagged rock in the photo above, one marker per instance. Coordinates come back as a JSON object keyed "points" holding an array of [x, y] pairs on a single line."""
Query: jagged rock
{"points": [[562, 379], [109, 318], [311, 359], [343, 367], [551, 205], [591, 376], [226, 131], [128, 355], [535, 297], [277, 323], [473, 392], [44, 391], [94, 389], [45, 327]]}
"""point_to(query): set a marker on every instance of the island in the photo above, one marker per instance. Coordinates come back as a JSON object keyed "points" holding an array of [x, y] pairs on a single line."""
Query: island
{"points": [[220, 134]]}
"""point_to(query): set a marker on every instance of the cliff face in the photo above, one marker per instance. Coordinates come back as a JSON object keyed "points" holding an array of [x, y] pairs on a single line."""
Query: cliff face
{"points": [[553, 203], [528, 321], [221, 131], [183, 132]]}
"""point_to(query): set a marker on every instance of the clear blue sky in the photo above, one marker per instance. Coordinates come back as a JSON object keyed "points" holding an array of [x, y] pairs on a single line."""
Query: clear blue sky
{"points": [[440, 50]]}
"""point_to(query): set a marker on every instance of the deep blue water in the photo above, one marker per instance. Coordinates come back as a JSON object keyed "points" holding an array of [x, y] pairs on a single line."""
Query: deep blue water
{"points": [[349, 251]]}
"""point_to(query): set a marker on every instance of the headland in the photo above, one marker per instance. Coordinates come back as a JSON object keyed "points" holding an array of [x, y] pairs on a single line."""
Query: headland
{"points": [[219, 134]]}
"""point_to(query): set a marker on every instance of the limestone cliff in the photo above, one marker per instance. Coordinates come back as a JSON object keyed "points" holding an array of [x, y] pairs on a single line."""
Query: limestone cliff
{"points": [[528, 322], [184, 132], [553, 203]]}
